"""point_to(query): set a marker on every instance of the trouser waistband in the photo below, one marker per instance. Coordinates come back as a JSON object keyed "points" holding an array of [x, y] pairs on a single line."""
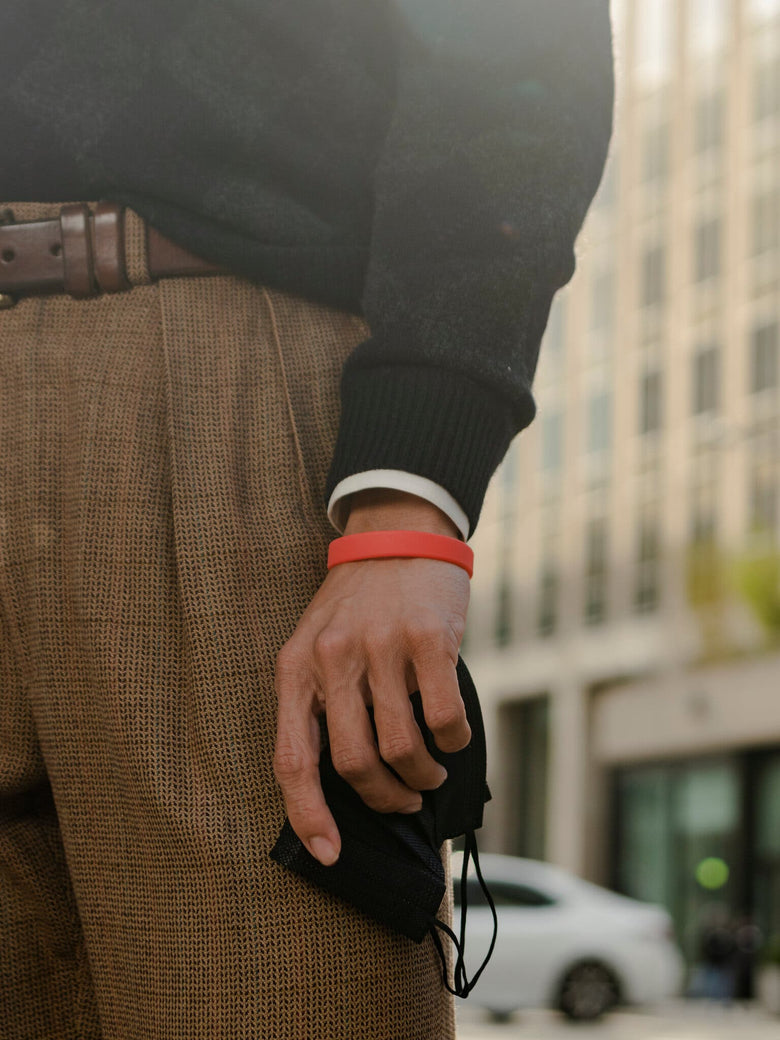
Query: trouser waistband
{"points": [[81, 252]]}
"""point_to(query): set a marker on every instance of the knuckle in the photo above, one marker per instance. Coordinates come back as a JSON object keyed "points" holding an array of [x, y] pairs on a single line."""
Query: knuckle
{"points": [[396, 748], [352, 761], [307, 815], [290, 762], [444, 716], [289, 664], [331, 646], [385, 803], [428, 637]]}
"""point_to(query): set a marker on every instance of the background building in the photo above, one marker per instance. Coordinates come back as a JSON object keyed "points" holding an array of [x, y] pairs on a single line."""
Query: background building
{"points": [[625, 619]]}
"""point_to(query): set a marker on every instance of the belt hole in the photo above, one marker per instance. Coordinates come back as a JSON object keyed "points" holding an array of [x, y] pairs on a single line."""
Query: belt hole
{"points": [[55, 249], [8, 256]]}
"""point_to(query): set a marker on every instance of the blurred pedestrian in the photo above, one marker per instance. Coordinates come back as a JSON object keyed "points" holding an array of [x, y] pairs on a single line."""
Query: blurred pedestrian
{"points": [[717, 958], [748, 941]]}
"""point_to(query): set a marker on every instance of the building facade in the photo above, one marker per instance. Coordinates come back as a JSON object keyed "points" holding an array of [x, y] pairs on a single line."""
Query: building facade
{"points": [[625, 619]]}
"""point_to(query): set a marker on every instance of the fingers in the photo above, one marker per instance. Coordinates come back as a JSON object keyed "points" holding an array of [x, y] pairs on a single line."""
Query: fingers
{"points": [[353, 747], [401, 744], [296, 764], [443, 707]]}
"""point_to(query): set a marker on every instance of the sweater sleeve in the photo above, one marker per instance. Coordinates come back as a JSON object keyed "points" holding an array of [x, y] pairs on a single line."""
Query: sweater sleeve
{"points": [[502, 118]]}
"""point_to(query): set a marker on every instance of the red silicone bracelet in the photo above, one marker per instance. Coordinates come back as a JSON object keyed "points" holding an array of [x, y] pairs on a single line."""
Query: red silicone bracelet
{"points": [[375, 545]]}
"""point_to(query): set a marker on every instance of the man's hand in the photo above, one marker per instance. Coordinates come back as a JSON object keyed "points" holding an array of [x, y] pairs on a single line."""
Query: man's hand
{"points": [[375, 631]]}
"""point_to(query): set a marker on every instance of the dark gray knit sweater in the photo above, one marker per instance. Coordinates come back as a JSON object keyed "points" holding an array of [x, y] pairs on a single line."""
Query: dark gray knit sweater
{"points": [[427, 163]]}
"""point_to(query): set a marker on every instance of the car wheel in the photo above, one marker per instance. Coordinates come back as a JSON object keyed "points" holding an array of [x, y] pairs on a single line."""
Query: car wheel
{"points": [[588, 991]]}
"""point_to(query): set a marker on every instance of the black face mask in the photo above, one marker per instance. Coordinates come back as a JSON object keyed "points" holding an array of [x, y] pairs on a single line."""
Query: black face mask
{"points": [[389, 867]]}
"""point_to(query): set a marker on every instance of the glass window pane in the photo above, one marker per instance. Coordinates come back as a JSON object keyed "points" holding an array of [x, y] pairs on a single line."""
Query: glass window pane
{"points": [[707, 250], [552, 442], [707, 801], [653, 289], [768, 810], [651, 402], [648, 565], [645, 846], [709, 122], [554, 334], [766, 222], [655, 160], [706, 380], [603, 301], [524, 727], [764, 360], [596, 560], [599, 421]]}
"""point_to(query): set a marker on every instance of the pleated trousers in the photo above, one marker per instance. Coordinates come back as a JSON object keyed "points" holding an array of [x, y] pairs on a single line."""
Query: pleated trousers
{"points": [[163, 454]]}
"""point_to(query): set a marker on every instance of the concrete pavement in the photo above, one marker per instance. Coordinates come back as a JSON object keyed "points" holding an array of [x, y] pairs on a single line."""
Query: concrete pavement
{"points": [[685, 1020]]}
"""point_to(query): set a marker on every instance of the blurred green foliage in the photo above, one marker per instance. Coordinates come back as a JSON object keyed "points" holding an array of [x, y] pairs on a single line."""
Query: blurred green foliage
{"points": [[713, 578], [757, 578]]}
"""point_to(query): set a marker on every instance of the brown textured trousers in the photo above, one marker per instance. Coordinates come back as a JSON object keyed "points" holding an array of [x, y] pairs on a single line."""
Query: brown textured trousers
{"points": [[162, 458]]}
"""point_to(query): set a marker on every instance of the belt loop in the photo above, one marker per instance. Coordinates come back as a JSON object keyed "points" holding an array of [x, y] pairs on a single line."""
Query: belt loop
{"points": [[136, 260], [77, 250], [108, 241]]}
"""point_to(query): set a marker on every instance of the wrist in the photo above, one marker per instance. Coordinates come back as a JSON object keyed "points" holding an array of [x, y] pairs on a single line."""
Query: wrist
{"points": [[383, 509], [395, 544]]}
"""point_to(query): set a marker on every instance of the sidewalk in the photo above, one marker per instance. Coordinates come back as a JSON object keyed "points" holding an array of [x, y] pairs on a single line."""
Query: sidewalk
{"points": [[685, 1020]]}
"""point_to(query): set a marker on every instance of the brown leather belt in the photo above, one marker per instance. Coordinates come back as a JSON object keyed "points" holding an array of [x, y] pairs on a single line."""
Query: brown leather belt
{"points": [[82, 254]]}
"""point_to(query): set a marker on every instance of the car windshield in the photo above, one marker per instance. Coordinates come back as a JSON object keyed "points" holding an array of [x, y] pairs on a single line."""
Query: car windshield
{"points": [[504, 893]]}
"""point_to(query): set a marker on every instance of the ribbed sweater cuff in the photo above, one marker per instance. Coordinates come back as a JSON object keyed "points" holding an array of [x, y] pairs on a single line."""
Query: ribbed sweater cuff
{"points": [[422, 420]]}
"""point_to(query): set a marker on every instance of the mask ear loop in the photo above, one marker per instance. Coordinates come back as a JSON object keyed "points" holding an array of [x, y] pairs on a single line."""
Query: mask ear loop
{"points": [[462, 986]]}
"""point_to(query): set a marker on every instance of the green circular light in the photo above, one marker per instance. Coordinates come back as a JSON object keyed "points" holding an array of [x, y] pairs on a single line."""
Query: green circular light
{"points": [[712, 873]]}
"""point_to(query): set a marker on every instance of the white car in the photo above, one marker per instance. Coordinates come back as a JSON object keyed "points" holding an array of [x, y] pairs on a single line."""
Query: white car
{"points": [[563, 942]]}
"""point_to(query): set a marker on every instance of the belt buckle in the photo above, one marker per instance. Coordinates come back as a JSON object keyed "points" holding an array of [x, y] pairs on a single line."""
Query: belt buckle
{"points": [[6, 300]]}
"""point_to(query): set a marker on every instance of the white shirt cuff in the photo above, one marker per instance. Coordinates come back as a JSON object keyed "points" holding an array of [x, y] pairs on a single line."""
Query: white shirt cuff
{"points": [[398, 480]]}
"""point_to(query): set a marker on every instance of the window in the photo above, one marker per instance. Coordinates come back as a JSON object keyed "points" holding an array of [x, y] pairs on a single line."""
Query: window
{"points": [[596, 571], [555, 333], [704, 564], [704, 479], [503, 893], [648, 566], [764, 498], [704, 527], [707, 250], [524, 735], [552, 442], [709, 122], [503, 632], [669, 818], [602, 310], [763, 358], [766, 222], [607, 193], [547, 619], [766, 89], [706, 380], [655, 159], [653, 276], [599, 422], [651, 402]]}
